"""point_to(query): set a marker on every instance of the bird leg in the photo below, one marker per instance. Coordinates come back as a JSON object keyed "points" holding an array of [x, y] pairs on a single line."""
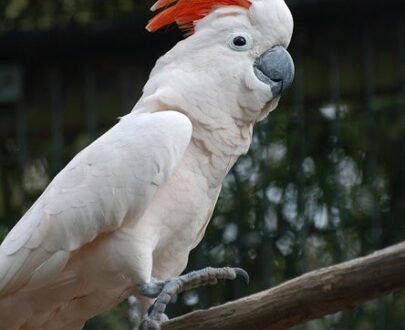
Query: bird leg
{"points": [[165, 291]]}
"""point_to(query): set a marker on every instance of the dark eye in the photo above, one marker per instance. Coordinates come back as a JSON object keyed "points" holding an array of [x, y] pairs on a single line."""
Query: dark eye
{"points": [[239, 41]]}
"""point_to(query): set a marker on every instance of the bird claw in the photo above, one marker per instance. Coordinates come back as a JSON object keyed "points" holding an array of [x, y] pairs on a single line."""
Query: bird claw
{"points": [[149, 324], [166, 291], [243, 273]]}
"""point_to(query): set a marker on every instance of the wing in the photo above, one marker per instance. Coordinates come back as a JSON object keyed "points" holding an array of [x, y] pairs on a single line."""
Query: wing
{"points": [[114, 178]]}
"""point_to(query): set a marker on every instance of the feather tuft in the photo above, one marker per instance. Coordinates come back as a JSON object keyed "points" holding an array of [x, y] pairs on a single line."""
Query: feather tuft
{"points": [[186, 12]]}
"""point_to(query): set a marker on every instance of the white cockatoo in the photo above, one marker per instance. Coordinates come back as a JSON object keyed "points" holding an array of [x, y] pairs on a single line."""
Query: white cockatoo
{"points": [[122, 217]]}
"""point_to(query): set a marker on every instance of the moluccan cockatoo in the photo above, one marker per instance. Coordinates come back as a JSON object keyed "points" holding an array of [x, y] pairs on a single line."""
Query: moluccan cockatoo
{"points": [[121, 218]]}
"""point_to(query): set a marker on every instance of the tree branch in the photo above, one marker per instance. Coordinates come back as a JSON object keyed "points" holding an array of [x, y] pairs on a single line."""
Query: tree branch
{"points": [[307, 297]]}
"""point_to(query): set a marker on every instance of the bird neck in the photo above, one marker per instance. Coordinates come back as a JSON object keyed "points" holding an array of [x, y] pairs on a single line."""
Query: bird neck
{"points": [[216, 150]]}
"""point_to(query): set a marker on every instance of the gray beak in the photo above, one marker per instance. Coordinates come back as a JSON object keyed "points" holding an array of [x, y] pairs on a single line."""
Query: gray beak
{"points": [[275, 67]]}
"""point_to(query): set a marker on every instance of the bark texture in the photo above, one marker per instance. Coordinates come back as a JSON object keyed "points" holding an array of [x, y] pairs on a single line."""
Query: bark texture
{"points": [[307, 297]]}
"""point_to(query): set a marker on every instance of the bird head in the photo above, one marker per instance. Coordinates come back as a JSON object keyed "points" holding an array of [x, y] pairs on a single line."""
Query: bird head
{"points": [[234, 61]]}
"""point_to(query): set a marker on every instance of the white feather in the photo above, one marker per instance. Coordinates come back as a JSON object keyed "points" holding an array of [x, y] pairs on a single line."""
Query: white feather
{"points": [[110, 179], [133, 204]]}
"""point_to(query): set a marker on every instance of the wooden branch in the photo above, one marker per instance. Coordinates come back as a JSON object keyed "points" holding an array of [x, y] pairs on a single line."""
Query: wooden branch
{"points": [[307, 297]]}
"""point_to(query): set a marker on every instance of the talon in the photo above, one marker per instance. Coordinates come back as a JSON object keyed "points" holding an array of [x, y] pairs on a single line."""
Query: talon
{"points": [[164, 292], [243, 273], [149, 324]]}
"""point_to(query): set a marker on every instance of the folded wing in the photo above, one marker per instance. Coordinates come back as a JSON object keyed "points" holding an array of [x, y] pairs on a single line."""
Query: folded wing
{"points": [[110, 181]]}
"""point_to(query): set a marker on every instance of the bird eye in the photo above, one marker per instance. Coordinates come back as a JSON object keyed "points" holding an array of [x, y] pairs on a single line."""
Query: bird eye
{"points": [[240, 41]]}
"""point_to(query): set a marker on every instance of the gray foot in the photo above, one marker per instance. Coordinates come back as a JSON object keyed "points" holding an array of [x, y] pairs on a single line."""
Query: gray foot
{"points": [[166, 291], [149, 324]]}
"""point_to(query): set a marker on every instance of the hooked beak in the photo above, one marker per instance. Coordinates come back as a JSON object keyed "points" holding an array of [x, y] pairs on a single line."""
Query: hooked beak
{"points": [[275, 68]]}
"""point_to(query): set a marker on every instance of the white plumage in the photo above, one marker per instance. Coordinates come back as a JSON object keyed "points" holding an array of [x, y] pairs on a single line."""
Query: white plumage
{"points": [[133, 204]]}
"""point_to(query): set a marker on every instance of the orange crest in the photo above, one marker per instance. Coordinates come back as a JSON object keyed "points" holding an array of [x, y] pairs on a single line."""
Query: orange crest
{"points": [[186, 12]]}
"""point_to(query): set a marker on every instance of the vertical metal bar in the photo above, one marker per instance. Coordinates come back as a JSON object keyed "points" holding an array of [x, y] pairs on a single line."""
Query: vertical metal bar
{"points": [[334, 94], [371, 155], [201, 262], [267, 252], [22, 145], [22, 131], [401, 30], [90, 95], [127, 99], [298, 118], [236, 218], [264, 131], [334, 88], [369, 89], [57, 110]]}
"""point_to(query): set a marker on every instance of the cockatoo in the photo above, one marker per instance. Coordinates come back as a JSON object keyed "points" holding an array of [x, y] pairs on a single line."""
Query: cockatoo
{"points": [[121, 218]]}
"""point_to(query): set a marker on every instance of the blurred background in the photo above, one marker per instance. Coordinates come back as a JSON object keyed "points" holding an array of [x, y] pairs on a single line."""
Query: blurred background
{"points": [[324, 180]]}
